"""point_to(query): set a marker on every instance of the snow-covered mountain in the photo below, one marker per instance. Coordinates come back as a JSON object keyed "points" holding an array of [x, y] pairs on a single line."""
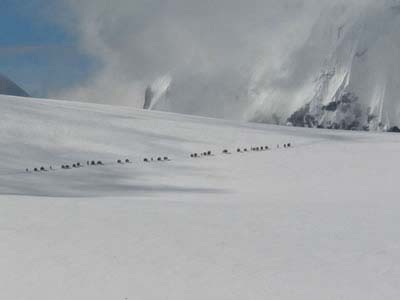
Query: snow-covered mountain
{"points": [[7, 87], [346, 75]]}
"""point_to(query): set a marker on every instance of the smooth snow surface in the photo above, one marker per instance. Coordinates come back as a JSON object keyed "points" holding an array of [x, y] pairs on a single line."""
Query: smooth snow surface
{"points": [[318, 221]]}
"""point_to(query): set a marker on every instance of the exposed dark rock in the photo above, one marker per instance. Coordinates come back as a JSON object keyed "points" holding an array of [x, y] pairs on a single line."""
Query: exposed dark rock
{"points": [[344, 113], [331, 106], [394, 129], [302, 117], [7, 87]]}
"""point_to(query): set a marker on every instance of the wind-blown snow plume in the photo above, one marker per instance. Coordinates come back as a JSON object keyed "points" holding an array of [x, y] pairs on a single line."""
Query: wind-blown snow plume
{"points": [[160, 90], [254, 60]]}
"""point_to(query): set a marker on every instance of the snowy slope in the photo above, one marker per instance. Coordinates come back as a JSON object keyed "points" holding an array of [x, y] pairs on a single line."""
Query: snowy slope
{"points": [[313, 222]]}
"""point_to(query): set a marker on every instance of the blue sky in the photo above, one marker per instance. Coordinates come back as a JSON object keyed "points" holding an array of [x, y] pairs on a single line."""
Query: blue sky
{"points": [[36, 52]]}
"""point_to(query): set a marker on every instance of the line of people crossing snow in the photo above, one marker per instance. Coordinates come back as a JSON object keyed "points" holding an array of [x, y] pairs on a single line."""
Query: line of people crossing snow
{"points": [[206, 153], [156, 159], [71, 166], [94, 163], [240, 150]]}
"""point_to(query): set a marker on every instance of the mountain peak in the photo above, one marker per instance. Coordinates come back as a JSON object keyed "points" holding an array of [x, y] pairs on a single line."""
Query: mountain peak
{"points": [[7, 87]]}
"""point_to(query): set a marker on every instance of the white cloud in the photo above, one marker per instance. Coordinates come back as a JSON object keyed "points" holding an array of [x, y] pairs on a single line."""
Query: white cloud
{"points": [[214, 50]]}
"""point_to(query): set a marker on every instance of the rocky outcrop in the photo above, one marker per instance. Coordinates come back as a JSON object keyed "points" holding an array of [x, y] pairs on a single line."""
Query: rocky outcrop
{"points": [[7, 87]]}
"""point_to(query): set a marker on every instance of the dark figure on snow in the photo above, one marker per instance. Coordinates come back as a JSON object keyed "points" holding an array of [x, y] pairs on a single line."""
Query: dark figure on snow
{"points": [[127, 161]]}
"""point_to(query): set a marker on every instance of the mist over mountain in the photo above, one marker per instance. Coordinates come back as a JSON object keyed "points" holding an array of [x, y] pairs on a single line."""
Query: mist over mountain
{"points": [[209, 50], [346, 75], [7, 87], [312, 63]]}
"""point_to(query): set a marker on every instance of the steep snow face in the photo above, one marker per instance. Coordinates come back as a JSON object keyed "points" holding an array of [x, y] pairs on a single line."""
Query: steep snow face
{"points": [[346, 75], [7, 87]]}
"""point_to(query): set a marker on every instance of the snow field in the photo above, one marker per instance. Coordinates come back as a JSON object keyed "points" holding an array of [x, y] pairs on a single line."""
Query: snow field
{"points": [[317, 221]]}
